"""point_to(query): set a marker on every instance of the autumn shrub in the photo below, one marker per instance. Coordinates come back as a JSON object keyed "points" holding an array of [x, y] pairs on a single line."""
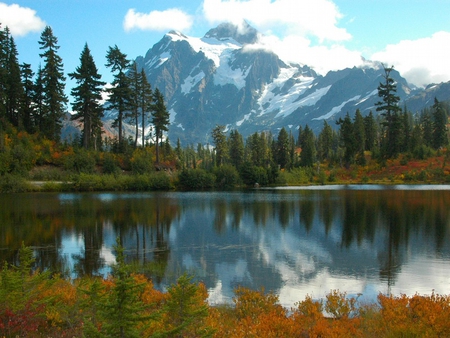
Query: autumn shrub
{"points": [[142, 161]]}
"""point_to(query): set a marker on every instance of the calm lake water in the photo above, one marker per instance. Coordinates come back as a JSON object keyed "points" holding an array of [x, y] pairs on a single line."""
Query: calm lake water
{"points": [[295, 242]]}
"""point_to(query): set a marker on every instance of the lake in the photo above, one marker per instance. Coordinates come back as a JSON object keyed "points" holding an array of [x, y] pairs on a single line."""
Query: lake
{"points": [[293, 241]]}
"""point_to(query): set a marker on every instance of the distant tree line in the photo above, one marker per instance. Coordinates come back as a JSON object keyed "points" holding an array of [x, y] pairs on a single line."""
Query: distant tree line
{"points": [[35, 103]]}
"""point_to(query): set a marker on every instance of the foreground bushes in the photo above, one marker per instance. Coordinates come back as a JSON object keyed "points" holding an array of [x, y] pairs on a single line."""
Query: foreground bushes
{"points": [[35, 304]]}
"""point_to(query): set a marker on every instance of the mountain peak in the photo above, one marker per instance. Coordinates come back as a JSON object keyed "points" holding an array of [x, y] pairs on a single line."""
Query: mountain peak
{"points": [[242, 33]]}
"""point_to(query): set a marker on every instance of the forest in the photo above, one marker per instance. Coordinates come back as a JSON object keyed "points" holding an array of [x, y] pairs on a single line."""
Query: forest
{"points": [[392, 146], [389, 145]]}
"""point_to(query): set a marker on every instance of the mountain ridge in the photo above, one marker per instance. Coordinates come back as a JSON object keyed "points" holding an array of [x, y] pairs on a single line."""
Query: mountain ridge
{"points": [[225, 78]]}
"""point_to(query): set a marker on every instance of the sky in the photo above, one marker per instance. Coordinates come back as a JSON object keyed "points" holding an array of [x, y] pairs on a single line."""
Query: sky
{"points": [[411, 35]]}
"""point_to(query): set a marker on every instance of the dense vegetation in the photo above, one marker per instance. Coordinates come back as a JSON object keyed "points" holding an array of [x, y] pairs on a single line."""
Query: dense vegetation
{"points": [[35, 303], [394, 146]]}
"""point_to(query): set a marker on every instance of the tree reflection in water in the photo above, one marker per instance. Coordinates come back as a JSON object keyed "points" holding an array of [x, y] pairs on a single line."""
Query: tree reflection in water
{"points": [[260, 238]]}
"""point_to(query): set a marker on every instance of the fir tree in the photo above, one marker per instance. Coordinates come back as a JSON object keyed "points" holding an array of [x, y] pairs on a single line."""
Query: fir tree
{"points": [[120, 93], [308, 154], [53, 83], [3, 70], [282, 149], [27, 109], [348, 140], [370, 130], [14, 89], [236, 147], [146, 101], [123, 309], [160, 119], [220, 145], [87, 95], [325, 142], [388, 106], [440, 119], [135, 91]]}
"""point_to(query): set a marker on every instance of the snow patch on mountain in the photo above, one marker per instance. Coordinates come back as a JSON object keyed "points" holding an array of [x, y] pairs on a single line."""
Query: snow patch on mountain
{"points": [[372, 93], [172, 114], [158, 61], [274, 99], [191, 81], [246, 118], [211, 47], [225, 74], [313, 98], [336, 109]]}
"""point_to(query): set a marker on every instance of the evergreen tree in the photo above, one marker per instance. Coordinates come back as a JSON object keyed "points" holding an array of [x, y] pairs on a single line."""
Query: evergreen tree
{"points": [[120, 93], [236, 147], [123, 307], [3, 70], [220, 145], [27, 109], [427, 127], [160, 119], [388, 106], [360, 137], [282, 149], [371, 132], [14, 89], [440, 120], [146, 101], [308, 154], [325, 142], [134, 78], [348, 140], [87, 95], [405, 138], [53, 83], [38, 100]]}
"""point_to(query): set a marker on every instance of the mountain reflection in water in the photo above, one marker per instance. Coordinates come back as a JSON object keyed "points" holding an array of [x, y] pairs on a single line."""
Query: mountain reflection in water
{"points": [[294, 242]]}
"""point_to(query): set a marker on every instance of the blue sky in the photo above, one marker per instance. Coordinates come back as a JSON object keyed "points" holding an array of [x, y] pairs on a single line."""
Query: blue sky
{"points": [[412, 35]]}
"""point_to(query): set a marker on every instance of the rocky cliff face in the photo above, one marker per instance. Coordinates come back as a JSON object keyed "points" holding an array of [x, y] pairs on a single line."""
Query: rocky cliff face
{"points": [[225, 79]]}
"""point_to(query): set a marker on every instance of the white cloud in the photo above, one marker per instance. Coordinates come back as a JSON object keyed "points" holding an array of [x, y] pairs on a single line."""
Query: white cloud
{"points": [[421, 61], [315, 18], [322, 58], [20, 20], [288, 28], [157, 20]]}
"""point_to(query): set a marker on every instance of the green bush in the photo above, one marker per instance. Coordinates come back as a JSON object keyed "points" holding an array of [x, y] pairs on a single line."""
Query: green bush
{"points": [[142, 161], [82, 161], [13, 183], [252, 175], [195, 179], [227, 177], [110, 164]]}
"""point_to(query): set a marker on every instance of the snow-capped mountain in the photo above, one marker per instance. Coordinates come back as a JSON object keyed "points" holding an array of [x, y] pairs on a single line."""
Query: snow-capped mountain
{"points": [[225, 78]]}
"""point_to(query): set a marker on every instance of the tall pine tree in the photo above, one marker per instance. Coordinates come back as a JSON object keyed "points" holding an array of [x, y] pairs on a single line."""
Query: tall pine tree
{"points": [[388, 106], [440, 119], [53, 83], [120, 93], [146, 101], [160, 119], [87, 95]]}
